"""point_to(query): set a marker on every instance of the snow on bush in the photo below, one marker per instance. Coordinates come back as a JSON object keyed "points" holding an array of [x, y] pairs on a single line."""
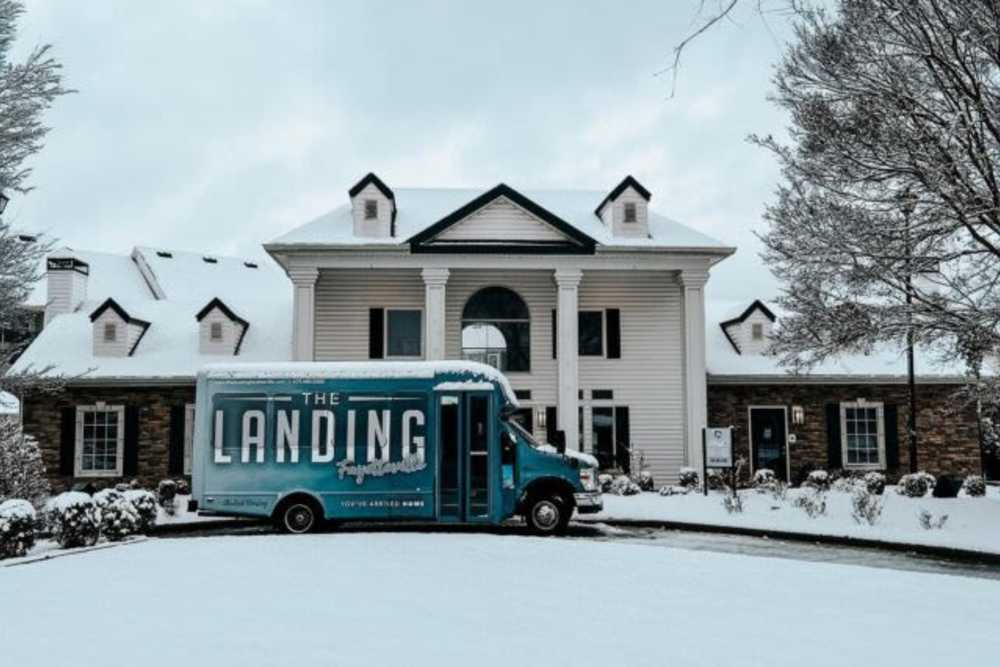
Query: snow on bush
{"points": [[624, 486], [645, 481], [875, 483], [166, 493], [145, 504], [974, 485], [605, 481], [763, 479], [915, 485], [818, 480], [675, 490], [105, 497], [688, 478], [22, 473], [930, 522], [811, 501], [73, 520], [119, 519], [866, 507], [183, 488], [17, 528]]}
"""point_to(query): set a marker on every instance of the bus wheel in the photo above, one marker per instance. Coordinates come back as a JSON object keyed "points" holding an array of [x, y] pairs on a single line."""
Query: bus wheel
{"points": [[548, 515], [297, 516]]}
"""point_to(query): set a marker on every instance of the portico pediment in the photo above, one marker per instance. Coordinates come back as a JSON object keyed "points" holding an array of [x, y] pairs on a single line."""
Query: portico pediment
{"points": [[502, 221]]}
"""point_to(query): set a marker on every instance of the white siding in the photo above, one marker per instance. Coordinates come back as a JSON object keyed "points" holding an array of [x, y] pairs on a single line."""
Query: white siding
{"points": [[343, 298], [66, 290], [649, 378], [380, 227], [231, 332], [501, 219], [742, 333], [639, 228], [125, 339]]}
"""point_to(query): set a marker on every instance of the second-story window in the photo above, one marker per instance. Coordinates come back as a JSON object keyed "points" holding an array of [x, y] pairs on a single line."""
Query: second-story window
{"points": [[371, 209], [630, 213], [110, 332], [215, 332]]}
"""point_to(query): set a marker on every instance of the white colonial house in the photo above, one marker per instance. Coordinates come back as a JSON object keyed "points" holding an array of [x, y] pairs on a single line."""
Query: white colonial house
{"points": [[590, 302]]}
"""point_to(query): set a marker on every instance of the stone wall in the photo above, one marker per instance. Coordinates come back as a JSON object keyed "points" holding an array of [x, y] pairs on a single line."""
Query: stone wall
{"points": [[948, 435], [43, 419]]}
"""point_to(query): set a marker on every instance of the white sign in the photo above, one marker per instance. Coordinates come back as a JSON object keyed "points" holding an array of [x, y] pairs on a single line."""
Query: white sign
{"points": [[718, 447]]}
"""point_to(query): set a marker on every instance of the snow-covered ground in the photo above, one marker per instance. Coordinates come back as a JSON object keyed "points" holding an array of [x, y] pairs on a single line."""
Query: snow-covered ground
{"points": [[181, 514], [473, 599], [973, 523]]}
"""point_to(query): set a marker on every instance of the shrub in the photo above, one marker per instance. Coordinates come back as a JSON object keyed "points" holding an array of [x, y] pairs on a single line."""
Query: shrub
{"points": [[812, 502], [866, 507], [22, 473], [915, 485], [763, 479], [733, 502], [166, 494], [183, 488], [875, 483], [624, 486], [605, 481], [688, 478], [72, 518], [119, 519], [645, 481], [974, 485], [675, 490], [17, 528], [818, 480], [716, 480], [929, 522], [145, 504], [105, 497]]}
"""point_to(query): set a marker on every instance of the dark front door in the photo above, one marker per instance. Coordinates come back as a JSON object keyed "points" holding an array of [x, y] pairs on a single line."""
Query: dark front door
{"points": [[768, 444], [465, 436]]}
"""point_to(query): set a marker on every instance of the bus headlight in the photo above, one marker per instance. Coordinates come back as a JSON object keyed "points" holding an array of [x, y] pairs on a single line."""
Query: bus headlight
{"points": [[588, 479]]}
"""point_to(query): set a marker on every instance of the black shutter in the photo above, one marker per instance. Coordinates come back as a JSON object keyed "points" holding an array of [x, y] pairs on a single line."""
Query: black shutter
{"points": [[175, 454], [613, 324], [130, 464], [833, 445], [555, 334], [376, 333], [622, 437], [551, 424], [891, 437], [67, 441]]}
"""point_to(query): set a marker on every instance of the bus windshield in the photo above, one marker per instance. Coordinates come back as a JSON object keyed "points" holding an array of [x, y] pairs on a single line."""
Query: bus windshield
{"points": [[523, 432]]}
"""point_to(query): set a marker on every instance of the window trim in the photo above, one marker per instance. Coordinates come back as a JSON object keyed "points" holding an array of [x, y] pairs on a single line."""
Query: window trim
{"points": [[385, 333], [634, 208], [880, 425], [370, 209], [188, 438], [112, 328], [78, 470], [604, 333]]}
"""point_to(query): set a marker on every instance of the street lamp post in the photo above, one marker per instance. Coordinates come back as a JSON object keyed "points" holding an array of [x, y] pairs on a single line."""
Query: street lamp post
{"points": [[908, 202]]}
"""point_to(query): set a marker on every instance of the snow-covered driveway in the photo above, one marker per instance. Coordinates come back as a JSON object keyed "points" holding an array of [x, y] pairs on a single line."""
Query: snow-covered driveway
{"points": [[473, 599]]}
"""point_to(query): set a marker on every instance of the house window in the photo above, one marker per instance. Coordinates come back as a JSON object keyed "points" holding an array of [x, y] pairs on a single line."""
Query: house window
{"points": [[591, 332], [371, 209], [757, 331], [862, 434], [403, 333], [188, 436], [100, 440], [215, 332], [630, 212], [496, 329], [110, 332]]}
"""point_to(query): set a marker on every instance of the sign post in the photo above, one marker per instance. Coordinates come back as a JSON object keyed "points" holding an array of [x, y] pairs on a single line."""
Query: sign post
{"points": [[716, 450]]}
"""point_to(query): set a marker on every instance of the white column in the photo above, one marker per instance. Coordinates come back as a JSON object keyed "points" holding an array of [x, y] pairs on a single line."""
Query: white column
{"points": [[303, 306], [568, 283], [435, 281], [695, 389]]}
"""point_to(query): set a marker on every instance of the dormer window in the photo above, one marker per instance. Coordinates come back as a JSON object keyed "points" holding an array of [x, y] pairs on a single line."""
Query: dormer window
{"points": [[630, 214], [371, 209], [114, 332], [757, 331], [220, 330], [215, 332], [110, 332]]}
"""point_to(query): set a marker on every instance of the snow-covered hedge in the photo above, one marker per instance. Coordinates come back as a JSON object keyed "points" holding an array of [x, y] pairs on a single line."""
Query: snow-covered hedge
{"points": [[624, 486], [974, 485], [166, 494], [875, 483], [819, 480], [105, 497], [119, 519], [73, 519], [604, 480], [916, 485], [688, 478], [645, 481], [763, 479], [145, 504], [17, 528]]}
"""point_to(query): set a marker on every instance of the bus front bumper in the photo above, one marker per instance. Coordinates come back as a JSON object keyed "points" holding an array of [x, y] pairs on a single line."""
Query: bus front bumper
{"points": [[588, 503]]}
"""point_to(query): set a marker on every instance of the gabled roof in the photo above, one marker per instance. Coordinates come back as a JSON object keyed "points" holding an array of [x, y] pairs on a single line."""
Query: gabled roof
{"points": [[372, 179], [113, 305], [217, 303], [576, 241], [739, 319], [629, 181]]}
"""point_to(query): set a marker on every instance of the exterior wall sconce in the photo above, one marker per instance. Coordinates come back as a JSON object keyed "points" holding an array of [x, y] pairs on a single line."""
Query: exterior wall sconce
{"points": [[540, 418], [798, 415]]}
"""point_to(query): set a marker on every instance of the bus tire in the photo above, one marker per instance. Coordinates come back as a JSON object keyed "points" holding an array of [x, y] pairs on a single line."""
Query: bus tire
{"points": [[298, 515], [548, 515]]}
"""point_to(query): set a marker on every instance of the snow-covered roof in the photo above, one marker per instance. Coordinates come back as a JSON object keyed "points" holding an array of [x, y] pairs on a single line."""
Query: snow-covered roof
{"points": [[176, 288], [110, 274], [419, 208], [885, 364]]}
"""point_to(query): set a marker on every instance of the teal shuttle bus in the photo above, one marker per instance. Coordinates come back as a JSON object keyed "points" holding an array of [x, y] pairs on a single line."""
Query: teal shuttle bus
{"points": [[303, 443]]}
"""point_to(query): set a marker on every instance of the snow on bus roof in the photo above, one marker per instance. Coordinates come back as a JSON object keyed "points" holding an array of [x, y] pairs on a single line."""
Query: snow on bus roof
{"points": [[311, 370]]}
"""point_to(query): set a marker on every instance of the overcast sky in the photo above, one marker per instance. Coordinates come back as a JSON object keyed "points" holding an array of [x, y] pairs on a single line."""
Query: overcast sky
{"points": [[214, 126]]}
